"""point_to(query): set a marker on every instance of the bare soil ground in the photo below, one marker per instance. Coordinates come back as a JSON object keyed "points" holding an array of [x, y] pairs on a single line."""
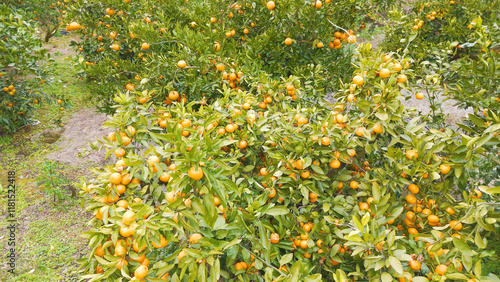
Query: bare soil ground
{"points": [[60, 44], [454, 113], [85, 126], [374, 39]]}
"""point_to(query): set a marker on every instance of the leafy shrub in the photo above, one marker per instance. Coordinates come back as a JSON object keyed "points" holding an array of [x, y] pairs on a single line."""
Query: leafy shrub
{"points": [[141, 43], [54, 181], [20, 52], [438, 25], [474, 80], [257, 186], [48, 14]]}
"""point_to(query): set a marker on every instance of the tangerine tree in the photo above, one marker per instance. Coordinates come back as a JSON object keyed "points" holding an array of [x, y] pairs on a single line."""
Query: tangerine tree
{"points": [[440, 25], [130, 43], [20, 52], [261, 186], [48, 14]]}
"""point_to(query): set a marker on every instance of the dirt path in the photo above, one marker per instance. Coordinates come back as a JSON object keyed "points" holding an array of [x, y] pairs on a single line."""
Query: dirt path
{"points": [[84, 126], [454, 114]]}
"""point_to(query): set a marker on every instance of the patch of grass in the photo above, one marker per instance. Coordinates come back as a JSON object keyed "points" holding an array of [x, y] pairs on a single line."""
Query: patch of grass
{"points": [[367, 32], [373, 35], [5, 140], [73, 92], [52, 244]]}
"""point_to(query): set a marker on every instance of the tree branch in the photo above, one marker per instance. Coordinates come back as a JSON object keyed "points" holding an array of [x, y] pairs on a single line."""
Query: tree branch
{"points": [[257, 257]]}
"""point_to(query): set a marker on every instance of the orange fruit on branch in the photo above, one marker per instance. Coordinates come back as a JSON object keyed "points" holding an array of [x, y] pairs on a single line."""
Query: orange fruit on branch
{"points": [[384, 73], [181, 64], [195, 173], [275, 238], [270, 5]]}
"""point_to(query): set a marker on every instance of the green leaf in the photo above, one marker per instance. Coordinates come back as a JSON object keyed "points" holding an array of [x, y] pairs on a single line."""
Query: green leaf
{"points": [[295, 271], [202, 273], [390, 238], [215, 270], [280, 210], [382, 115], [419, 279], [483, 140], [313, 278], [263, 238], [211, 213], [466, 128], [477, 121], [493, 128], [365, 219], [494, 190], [479, 241], [230, 244], [395, 213], [467, 262], [472, 141], [326, 207], [477, 268], [286, 259], [317, 169], [396, 264], [376, 191], [462, 247], [456, 276], [248, 168], [358, 223], [412, 37], [386, 277]]}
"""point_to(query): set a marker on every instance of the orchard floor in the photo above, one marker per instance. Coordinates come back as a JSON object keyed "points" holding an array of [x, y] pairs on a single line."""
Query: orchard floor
{"points": [[49, 241], [48, 238]]}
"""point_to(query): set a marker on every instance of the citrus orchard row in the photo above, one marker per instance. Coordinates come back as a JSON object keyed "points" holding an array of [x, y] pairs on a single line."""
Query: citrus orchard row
{"points": [[140, 44], [260, 186]]}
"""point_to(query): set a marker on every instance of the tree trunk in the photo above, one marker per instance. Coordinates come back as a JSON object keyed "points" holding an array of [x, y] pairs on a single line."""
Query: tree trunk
{"points": [[51, 32]]}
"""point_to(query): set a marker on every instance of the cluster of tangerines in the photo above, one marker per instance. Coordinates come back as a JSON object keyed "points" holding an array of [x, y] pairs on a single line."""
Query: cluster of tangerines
{"points": [[117, 25], [301, 242], [109, 12], [419, 210], [389, 67], [130, 248], [118, 179], [431, 16], [233, 78], [59, 7], [11, 90], [73, 26], [14, 101], [119, 182], [336, 43]]}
